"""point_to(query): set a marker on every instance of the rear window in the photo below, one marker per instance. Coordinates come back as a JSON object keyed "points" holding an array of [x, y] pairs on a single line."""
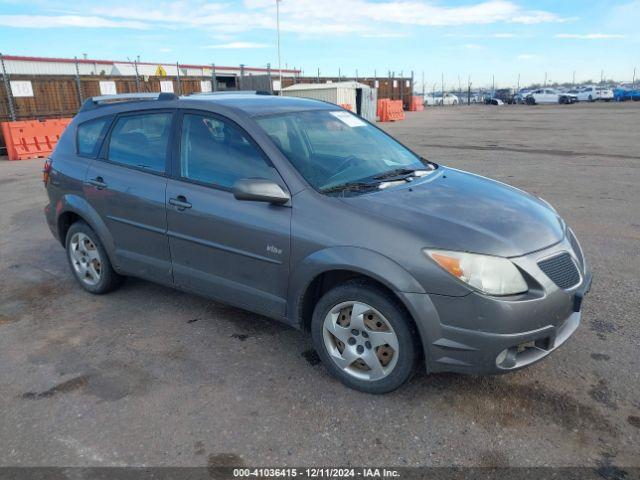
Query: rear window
{"points": [[141, 140], [90, 135]]}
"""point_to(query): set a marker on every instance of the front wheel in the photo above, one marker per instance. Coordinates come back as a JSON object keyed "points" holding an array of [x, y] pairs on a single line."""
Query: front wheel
{"points": [[364, 337]]}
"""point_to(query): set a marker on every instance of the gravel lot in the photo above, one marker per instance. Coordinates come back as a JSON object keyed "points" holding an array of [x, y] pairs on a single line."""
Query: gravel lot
{"points": [[151, 376]]}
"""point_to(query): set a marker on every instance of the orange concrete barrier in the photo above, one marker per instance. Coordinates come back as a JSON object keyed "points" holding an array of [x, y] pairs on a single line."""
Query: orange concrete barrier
{"points": [[416, 104], [32, 138], [346, 106], [390, 110]]}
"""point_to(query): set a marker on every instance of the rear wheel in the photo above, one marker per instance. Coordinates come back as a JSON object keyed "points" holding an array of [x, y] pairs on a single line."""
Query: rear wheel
{"points": [[364, 338], [88, 260]]}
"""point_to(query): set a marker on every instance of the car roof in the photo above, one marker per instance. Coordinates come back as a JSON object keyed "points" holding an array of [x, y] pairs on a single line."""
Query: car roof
{"points": [[243, 103], [256, 104]]}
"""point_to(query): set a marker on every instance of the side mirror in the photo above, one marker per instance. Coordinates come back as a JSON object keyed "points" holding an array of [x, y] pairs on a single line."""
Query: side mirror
{"points": [[260, 190]]}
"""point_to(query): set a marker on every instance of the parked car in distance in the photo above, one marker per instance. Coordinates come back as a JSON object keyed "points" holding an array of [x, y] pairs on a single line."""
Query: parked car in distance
{"points": [[493, 101], [303, 212], [549, 95], [506, 95], [448, 99], [592, 94], [520, 96], [624, 94]]}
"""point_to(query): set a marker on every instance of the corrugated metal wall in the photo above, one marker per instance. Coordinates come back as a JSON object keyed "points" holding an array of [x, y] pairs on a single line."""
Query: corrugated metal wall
{"points": [[57, 96]]}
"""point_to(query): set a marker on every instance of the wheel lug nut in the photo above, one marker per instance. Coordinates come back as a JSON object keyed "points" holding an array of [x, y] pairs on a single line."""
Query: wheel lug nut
{"points": [[365, 334], [367, 344], [351, 341], [360, 349], [354, 331]]}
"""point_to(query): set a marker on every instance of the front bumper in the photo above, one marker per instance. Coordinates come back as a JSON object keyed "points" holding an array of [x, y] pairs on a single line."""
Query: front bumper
{"points": [[490, 335]]}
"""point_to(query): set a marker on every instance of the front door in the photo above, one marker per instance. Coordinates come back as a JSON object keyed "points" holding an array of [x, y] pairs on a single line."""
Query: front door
{"points": [[127, 188], [232, 250]]}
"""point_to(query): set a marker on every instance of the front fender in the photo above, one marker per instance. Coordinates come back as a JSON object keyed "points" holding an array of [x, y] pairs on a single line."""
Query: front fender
{"points": [[78, 205], [359, 260]]}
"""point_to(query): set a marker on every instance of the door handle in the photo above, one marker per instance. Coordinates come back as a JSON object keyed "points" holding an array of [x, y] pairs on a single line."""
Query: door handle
{"points": [[97, 182], [180, 202]]}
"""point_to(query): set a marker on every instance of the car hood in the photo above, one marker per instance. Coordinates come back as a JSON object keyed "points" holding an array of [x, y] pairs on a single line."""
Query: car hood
{"points": [[456, 210]]}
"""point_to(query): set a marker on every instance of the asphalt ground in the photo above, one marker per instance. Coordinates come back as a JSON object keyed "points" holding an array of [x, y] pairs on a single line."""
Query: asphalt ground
{"points": [[155, 377]]}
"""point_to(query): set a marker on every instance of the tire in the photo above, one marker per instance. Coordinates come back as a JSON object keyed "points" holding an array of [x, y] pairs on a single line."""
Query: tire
{"points": [[590, 98], [379, 318], [88, 260]]}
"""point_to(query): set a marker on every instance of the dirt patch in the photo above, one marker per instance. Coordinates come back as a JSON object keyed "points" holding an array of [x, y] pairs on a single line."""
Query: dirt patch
{"points": [[602, 327], [311, 356], [600, 393], [219, 460], [77, 383], [496, 402], [633, 421], [600, 357], [493, 459]]}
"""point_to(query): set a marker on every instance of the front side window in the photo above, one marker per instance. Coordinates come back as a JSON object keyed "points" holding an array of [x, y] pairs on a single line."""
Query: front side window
{"points": [[217, 152], [90, 135], [141, 140], [331, 148]]}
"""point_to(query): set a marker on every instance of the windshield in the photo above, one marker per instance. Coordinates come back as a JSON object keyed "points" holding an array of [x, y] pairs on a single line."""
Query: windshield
{"points": [[333, 148]]}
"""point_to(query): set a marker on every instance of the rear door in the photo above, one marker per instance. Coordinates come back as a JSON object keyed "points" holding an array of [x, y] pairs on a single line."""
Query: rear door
{"points": [[232, 250], [126, 185]]}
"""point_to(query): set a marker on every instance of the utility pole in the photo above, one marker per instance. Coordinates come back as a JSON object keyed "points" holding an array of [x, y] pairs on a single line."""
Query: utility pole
{"points": [[423, 83], [633, 82], [545, 79], [601, 77], [78, 82], [442, 85], [518, 87], [493, 85], [214, 81], [573, 83], [178, 78], [318, 74], [279, 55]]}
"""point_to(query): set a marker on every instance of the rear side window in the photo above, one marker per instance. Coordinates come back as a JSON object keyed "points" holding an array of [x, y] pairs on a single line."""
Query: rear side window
{"points": [[217, 152], [141, 140], [90, 135]]}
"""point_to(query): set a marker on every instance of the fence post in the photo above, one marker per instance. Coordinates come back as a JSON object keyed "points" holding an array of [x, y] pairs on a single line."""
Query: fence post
{"points": [[269, 78], [318, 75], [78, 82], [135, 66], [178, 78], [241, 84], [7, 86], [213, 77]]}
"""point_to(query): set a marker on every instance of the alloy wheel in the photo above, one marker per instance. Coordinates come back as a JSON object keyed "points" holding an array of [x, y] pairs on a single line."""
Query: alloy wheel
{"points": [[360, 341], [85, 259]]}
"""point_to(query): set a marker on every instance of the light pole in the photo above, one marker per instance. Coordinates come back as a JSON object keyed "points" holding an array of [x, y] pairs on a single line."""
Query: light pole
{"points": [[279, 56]]}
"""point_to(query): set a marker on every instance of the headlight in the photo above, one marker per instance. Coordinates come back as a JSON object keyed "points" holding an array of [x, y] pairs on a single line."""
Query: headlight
{"points": [[492, 275]]}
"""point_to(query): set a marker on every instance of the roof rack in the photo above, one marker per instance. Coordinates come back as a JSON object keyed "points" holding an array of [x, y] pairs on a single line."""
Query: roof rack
{"points": [[231, 92], [94, 102]]}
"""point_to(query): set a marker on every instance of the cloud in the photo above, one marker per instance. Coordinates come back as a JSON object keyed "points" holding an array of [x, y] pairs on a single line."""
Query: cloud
{"points": [[234, 45], [473, 46], [364, 17], [589, 36], [62, 21], [526, 56]]}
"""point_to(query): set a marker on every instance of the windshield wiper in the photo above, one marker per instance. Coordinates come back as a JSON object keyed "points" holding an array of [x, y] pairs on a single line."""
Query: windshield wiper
{"points": [[350, 186], [401, 173]]}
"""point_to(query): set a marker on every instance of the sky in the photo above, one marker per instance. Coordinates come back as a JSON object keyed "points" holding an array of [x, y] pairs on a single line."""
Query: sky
{"points": [[484, 41]]}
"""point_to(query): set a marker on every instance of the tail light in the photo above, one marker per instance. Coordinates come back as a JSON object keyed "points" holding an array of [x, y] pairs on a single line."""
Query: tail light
{"points": [[46, 170]]}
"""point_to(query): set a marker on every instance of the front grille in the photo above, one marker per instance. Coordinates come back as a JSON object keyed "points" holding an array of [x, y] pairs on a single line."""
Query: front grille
{"points": [[561, 269]]}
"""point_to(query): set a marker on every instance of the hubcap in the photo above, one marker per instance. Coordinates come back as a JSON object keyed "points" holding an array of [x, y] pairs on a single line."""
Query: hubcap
{"points": [[360, 341], [85, 259]]}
